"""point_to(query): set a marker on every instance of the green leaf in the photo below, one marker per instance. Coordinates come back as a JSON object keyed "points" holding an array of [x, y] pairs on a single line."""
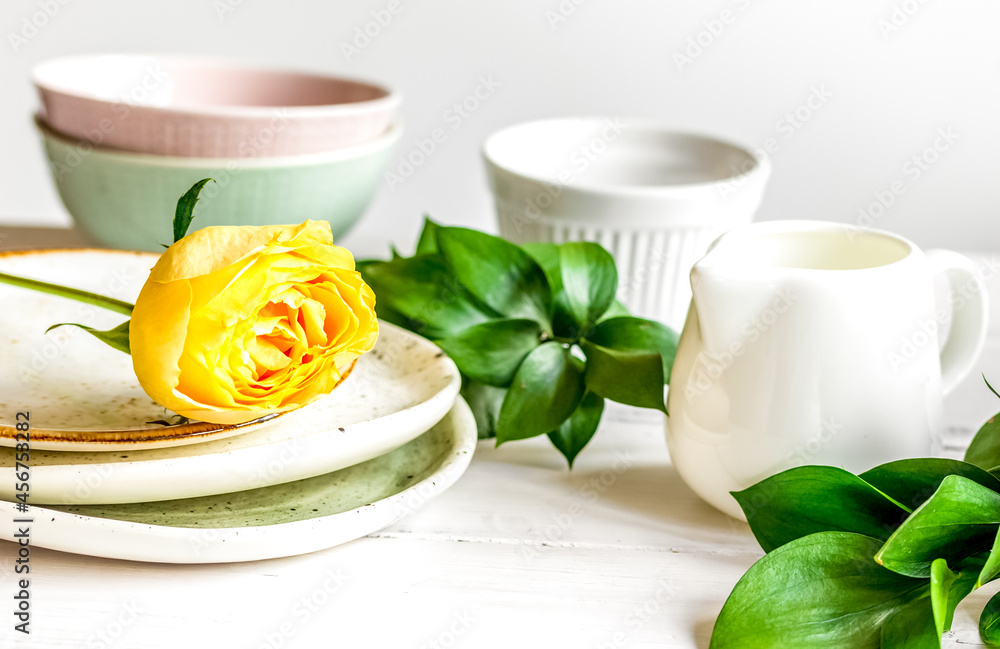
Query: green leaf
{"points": [[116, 338], [546, 390], [911, 482], [984, 451], [427, 243], [942, 579], [625, 377], [986, 381], [616, 310], [948, 589], [809, 499], [991, 568], [911, 627], [362, 265], [639, 336], [389, 314], [589, 279], [989, 622], [485, 402], [492, 351], [577, 431], [547, 256], [959, 521], [564, 324], [920, 624], [817, 592], [968, 581], [498, 273], [184, 213], [421, 290]]}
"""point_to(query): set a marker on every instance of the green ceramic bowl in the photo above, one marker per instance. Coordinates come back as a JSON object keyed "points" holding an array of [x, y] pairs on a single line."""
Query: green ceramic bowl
{"points": [[127, 200]]}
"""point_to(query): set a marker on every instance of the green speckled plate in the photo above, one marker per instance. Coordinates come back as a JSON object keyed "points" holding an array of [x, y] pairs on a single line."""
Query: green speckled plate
{"points": [[284, 520]]}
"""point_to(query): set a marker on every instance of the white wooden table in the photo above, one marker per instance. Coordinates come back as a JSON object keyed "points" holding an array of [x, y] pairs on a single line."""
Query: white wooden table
{"points": [[520, 553]]}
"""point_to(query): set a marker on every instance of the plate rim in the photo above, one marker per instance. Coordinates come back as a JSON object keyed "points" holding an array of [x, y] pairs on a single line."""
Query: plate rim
{"points": [[226, 539]]}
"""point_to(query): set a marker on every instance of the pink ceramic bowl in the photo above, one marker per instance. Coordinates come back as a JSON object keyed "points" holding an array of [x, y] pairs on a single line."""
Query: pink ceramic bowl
{"points": [[207, 108]]}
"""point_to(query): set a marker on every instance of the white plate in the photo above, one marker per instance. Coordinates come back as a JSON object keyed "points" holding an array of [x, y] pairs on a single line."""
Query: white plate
{"points": [[83, 396], [266, 523], [402, 388]]}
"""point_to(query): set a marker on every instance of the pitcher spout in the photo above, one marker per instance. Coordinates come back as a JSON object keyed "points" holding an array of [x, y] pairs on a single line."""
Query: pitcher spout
{"points": [[734, 308]]}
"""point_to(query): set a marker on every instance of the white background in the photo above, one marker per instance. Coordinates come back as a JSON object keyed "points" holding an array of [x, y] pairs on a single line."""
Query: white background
{"points": [[890, 96], [892, 90]]}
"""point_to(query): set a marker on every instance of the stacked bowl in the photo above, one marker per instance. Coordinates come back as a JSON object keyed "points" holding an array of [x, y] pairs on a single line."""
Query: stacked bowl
{"points": [[127, 135]]}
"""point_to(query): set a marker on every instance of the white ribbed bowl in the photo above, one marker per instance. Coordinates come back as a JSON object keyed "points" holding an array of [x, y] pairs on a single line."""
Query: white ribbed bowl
{"points": [[655, 198]]}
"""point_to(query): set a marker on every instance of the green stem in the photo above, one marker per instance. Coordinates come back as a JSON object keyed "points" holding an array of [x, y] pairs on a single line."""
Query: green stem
{"points": [[69, 293]]}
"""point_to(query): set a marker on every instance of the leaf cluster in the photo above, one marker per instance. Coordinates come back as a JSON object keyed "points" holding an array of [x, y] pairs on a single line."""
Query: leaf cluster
{"points": [[535, 330], [878, 559]]}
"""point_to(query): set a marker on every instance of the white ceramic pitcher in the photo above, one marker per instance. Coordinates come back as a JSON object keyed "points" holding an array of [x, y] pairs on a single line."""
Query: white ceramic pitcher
{"points": [[815, 343]]}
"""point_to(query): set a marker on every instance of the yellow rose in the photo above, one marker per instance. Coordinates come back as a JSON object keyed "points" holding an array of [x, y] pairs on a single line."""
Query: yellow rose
{"points": [[238, 322]]}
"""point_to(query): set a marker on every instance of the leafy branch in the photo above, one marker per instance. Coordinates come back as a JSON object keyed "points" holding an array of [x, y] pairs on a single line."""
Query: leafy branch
{"points": [[878, 559], [535, 330]]}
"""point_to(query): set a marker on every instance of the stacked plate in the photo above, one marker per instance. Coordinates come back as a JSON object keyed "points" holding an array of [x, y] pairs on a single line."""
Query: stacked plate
{"points": [[126, 135], [109, 475]]}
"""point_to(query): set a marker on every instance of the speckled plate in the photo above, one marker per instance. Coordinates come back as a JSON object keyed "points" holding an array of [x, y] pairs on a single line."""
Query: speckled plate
{"points": [[403, 387], [83, 395], [285, 520], [80, 393]]}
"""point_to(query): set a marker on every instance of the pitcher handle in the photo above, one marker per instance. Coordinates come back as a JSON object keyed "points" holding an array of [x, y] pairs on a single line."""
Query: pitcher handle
{"points": [[970, 315]]}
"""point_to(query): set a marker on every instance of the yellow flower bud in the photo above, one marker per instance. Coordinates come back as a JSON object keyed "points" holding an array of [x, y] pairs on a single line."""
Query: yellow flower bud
{"points": [[235, 323]]}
